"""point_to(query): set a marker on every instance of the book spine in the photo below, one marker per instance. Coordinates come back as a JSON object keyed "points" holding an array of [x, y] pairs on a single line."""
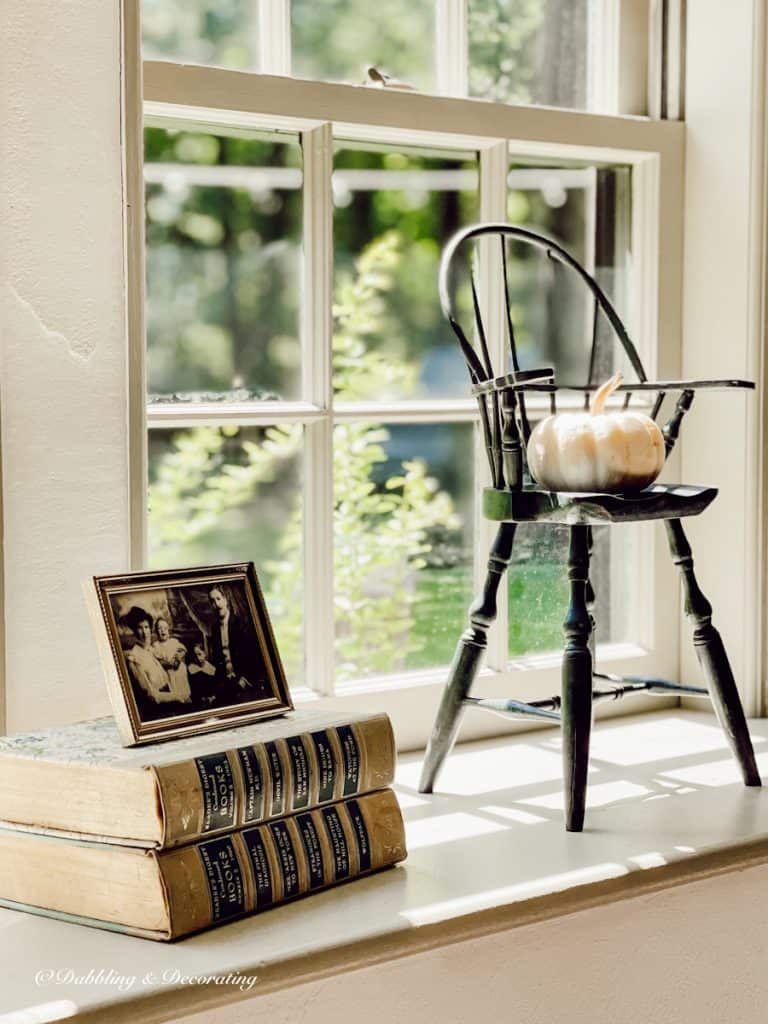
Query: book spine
{"points": [[221, 792], [219, 879]]}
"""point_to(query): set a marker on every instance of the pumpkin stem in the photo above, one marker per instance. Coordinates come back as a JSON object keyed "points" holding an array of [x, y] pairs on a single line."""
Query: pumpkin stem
{"points": [[603, 392]]}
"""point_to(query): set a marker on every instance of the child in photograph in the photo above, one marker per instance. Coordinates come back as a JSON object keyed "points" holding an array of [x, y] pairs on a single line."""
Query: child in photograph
{"points": [[171, 654], [202, 676]]}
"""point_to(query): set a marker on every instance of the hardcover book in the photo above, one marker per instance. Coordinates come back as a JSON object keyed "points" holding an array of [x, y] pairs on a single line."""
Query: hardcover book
{"points": [[79, 781], [170, 893]]}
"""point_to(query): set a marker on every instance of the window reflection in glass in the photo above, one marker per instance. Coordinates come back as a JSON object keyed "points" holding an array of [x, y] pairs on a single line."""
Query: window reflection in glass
{"points": [[223, 265]]}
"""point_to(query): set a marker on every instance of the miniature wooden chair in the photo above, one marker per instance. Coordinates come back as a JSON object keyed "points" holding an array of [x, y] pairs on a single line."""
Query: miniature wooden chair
{"points": [[514, 498]]}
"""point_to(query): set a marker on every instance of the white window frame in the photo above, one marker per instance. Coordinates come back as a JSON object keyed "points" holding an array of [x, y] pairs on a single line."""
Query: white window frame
{"points": [[655, 151]]}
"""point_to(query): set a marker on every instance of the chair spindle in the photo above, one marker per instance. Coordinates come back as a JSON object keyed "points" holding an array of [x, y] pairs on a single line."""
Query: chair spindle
{"points": [[522, 412], [593, 346], [495, 414], [658, 404], [511, 448], [671, 428]]}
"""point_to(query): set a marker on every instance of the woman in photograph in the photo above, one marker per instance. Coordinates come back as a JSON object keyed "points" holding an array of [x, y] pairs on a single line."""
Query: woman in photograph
{"points": [[171, 654], [152, 686]]}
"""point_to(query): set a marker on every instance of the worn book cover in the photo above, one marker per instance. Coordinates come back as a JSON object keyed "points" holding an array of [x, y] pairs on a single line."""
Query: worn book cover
{"points": [[79, 780], [165, 894]]}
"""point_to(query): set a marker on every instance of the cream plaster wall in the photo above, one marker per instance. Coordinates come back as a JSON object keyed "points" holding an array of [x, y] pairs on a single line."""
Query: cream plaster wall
{"points": [[62, 345], [695, 954], [723, 330]]}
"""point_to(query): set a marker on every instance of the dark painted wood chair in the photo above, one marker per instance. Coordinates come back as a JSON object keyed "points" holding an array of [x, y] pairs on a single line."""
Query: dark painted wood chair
{"points": [[513, 498]]}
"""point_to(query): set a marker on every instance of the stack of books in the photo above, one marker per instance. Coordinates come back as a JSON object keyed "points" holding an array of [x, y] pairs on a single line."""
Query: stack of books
{"points": [[167, 840]]}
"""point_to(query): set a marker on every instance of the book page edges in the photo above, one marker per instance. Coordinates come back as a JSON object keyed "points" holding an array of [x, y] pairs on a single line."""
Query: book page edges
{"points": [[101, 802], [91, 922], [117, 885]]}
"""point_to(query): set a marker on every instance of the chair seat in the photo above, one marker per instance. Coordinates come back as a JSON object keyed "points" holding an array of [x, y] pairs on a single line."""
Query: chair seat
{"points": [[659, 501]]}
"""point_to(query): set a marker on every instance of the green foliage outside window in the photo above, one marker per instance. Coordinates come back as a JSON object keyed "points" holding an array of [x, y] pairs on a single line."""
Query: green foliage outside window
{"points": [[528, 51], [382, 533]]}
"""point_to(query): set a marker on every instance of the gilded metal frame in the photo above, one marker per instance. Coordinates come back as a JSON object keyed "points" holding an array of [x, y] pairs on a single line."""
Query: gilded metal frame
{"points": [[132, 728]]}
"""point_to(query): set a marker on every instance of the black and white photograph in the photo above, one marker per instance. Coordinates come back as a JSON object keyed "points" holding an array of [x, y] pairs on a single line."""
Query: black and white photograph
{"points": [[193, 649]]}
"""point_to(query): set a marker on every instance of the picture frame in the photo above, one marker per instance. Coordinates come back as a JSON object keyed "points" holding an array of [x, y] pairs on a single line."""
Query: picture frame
{"points": [[186, 651]]}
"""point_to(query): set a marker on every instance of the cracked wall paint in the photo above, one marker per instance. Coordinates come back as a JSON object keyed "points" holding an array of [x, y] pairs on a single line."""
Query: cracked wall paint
{"points": [[82, 350]]}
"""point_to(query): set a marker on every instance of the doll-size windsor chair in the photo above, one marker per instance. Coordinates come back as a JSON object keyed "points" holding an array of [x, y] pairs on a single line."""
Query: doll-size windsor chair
{"points": [[514, 498]]}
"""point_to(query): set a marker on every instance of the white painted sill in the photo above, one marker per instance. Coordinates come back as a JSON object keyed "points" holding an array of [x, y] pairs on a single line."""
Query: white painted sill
{"points": [[487, 853]]}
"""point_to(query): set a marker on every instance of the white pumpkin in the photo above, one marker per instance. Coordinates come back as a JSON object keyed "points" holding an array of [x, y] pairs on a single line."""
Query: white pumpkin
{"points": [[596, 451]]}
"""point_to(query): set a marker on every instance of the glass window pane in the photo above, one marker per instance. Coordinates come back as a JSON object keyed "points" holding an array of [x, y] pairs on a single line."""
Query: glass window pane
{"points": [[340, 39], [394, 212], [403, 544], [539, 592], [224, 228], [221, 32], [529, 51], [233, 495], [588, 211]]}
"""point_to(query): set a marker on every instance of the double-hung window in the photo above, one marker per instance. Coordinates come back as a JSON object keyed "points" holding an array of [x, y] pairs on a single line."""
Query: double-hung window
{"points": [[297, 398]]}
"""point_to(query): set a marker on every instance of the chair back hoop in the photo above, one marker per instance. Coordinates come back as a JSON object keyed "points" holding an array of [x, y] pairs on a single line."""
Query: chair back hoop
{"points": [[503, 414], [478, 371]]}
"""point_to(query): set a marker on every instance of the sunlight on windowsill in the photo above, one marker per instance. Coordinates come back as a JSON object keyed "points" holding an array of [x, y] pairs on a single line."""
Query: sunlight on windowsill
{"points": [[662, 789], [486, 851]]}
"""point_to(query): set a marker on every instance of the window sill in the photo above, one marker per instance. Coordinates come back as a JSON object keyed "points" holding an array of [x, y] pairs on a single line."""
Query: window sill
{"points": [[488, 853]]}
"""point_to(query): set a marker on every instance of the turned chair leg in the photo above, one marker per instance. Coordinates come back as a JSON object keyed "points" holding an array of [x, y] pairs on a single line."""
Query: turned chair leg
{"points": [[591, 598], [712, 657], [576, 709], [466, 660]]}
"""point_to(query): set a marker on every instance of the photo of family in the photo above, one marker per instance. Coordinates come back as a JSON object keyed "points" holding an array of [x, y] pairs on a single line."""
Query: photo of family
{"points": [[192, 649]]}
